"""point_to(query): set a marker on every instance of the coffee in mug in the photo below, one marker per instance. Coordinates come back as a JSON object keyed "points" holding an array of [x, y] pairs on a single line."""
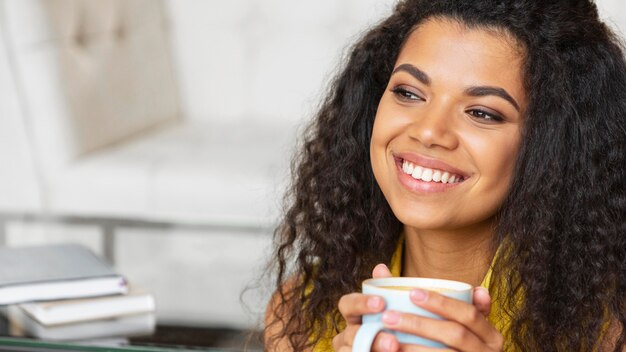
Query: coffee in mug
{"points": [[409, 288]]}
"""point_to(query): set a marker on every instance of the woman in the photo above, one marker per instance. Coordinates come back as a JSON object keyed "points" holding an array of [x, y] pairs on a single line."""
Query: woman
{"points": [[474, 140]]}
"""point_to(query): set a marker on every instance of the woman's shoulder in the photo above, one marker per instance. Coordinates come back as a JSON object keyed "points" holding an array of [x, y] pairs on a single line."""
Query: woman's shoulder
{"points": [[277, 312]]}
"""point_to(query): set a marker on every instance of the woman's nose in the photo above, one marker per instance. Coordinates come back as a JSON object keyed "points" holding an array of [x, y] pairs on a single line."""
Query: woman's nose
{"points": [[434, 127]]}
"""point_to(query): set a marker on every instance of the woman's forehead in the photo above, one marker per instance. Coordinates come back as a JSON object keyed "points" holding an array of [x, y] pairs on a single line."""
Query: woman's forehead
{"points": [[449, 51], [505, 36]]}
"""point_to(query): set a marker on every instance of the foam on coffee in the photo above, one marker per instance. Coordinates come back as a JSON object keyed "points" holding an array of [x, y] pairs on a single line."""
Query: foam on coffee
{"points": [[409, 288]]}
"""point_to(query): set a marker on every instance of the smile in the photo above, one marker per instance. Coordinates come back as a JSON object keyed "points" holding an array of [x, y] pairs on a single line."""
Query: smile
{"points": [[429, 175]]}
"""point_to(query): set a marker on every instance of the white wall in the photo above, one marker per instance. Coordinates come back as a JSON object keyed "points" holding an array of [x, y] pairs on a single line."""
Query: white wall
{"points": [[247, 59], [18, 175], [614, 13]]}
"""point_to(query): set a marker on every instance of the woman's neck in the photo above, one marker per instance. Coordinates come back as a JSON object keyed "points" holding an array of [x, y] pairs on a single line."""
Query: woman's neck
{"points": [[453, 255]]}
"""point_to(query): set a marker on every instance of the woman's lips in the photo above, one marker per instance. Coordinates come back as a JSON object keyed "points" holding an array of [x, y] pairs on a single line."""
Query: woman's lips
{"points": [[424, 175], [429, 163], [429, 175]]}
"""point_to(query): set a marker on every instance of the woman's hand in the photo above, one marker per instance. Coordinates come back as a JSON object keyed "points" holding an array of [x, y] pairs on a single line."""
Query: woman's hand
{"points": [[465, 327], [353, 306], [486, 338]]}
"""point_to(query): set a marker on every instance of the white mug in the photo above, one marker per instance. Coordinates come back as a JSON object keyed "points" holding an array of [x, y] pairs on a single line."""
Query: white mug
{"points": [[399, 300]]}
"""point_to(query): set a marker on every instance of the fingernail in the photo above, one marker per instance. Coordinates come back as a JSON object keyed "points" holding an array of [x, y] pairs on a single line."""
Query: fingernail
{"points": [[391, 317], [374, 302], [386, 343], [419, 295], [481, 291]]}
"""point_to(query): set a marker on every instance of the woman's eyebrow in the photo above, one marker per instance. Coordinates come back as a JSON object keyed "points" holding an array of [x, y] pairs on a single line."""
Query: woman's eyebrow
{"points": [[413, 71], [482, 91], [478, 91]]}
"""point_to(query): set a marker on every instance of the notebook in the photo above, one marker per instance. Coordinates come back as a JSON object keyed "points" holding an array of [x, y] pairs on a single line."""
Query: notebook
{"points": [[85, 309], [126, 326], [54, 272]]}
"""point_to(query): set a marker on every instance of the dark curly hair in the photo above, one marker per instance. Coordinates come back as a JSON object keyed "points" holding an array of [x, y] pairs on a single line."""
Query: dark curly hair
{"points": [[561, 226]]}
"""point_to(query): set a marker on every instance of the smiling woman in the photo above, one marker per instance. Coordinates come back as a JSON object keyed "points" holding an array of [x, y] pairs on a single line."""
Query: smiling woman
{"points": [[432, 120], [480, 141]]}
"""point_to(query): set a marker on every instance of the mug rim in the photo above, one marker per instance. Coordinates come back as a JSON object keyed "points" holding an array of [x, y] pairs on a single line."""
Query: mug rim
{"points": [[416, 282]]}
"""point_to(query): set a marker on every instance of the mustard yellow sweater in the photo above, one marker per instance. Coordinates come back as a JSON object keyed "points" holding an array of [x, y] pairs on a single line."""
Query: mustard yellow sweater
{"points": [[497, 317]]}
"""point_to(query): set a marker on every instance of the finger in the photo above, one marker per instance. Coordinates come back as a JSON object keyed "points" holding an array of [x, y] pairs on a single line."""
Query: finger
{"points": [[346, 337], [381, 270], [385, 342], [450, 333], [482, 300], [419, 348], [352, 306], [458, 311]]}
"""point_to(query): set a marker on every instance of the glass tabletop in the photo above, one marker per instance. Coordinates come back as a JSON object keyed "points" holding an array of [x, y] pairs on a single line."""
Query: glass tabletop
{"points": [[15, 336], [29, 344]]}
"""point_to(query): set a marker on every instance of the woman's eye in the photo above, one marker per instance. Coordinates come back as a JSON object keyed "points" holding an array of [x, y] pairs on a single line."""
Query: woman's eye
{"points": [[406, 95], [485, 116]]}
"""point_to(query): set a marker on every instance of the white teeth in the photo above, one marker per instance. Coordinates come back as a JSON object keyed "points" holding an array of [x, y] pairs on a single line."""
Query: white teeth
{"points": [[437, 176], [417, 172], [407, 167], [428, 175]]}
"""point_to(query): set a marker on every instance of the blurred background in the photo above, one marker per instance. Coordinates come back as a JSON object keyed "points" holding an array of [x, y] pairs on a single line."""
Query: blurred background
{"points": [[159, 133]]}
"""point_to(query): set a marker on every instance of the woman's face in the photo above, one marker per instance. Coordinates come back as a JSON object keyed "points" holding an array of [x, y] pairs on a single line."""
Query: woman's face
{"points": [[447, 129]]}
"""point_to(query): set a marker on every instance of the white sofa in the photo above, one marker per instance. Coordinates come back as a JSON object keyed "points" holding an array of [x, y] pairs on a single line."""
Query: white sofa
{"points": [[92, 133], [100, 107]]}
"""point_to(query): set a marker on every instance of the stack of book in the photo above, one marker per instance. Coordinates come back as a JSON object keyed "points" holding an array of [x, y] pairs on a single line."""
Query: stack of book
{"points": [[66, 292]]}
